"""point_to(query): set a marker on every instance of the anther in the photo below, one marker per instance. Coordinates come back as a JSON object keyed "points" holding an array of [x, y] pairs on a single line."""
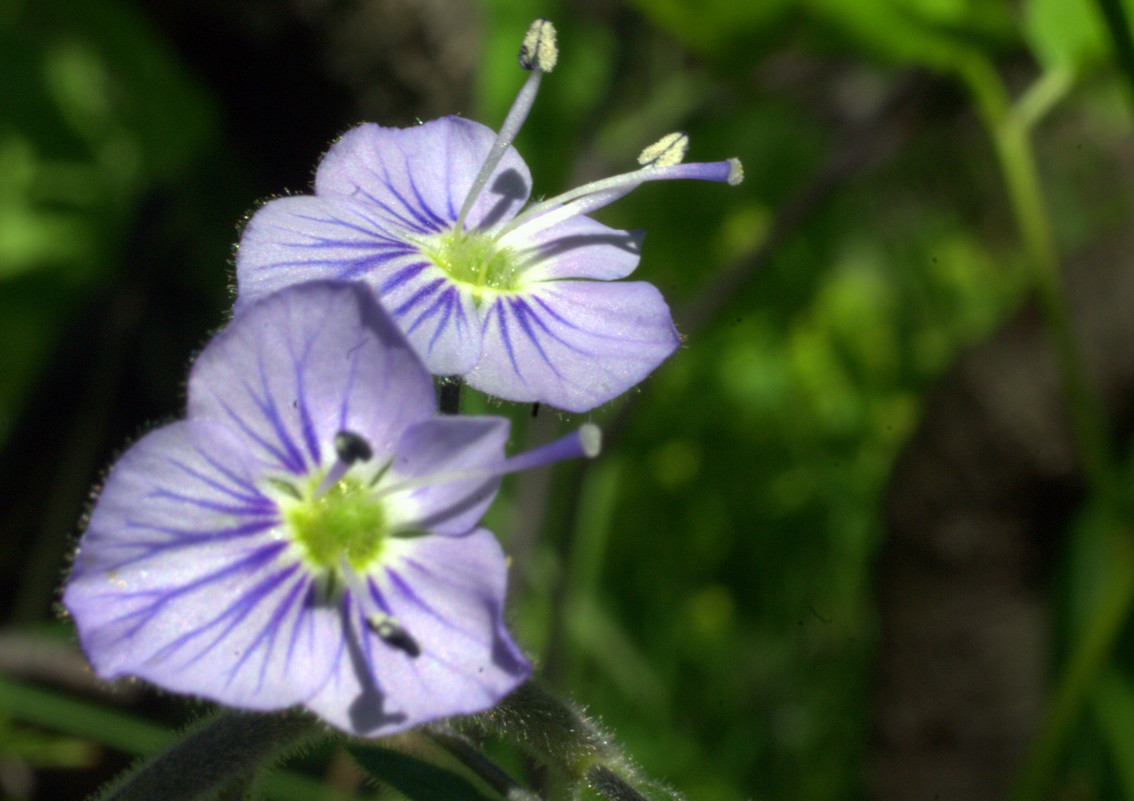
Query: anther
{"points": [[391, 632], [351, 447], [667, 151], [735, 171], [538, 50]]}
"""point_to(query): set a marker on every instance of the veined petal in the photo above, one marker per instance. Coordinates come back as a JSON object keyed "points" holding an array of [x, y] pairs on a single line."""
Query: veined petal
{"points": [[182, 577], [421, 175], [582, 248], [300, 366], [447, 594], [438, 317], [450, 444], [296, 239], [573, 344]]}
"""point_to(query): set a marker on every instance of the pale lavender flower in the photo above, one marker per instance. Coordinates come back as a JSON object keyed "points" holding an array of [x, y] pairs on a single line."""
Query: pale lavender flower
{"points": [[308, 535], [523, 303]]}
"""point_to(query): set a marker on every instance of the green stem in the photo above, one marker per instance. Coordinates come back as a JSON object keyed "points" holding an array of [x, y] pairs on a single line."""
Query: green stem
{"points": [[1010, 137], [1087, 657], [209, 756], [1009, 129], [1114, 12]]}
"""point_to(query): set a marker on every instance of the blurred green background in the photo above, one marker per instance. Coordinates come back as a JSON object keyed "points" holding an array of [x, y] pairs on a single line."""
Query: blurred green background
{"points": [[709, 587]]}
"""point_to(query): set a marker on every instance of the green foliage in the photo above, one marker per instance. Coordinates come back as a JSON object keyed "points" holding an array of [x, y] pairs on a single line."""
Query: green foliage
{"points": [[414, 778]]}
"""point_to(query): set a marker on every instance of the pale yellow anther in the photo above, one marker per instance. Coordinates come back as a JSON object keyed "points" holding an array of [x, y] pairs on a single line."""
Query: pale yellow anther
{"points": [[667, 151], [539, 50], [735, 171]]}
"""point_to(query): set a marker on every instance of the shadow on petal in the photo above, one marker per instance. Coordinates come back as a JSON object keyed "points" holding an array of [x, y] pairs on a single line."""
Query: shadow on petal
{"points": [[366, 711], [511, 188], [628, 241]]}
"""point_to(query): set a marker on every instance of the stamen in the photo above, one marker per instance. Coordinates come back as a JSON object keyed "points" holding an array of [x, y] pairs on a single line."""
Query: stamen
{"points": [[538, 54], [350, 447], [667, 151], [393, 633], [538, 49], [597, 194], [386, 627], [586, 442]]}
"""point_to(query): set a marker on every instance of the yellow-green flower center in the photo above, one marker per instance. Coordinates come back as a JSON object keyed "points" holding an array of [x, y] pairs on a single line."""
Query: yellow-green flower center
{"points": [[475, 261], [346, 521]]}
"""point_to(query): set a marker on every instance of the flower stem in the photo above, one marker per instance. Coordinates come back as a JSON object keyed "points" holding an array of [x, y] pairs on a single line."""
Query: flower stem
{"points": [[1087, 657], [449, 398], [1114, 12], [475, 760], [208, 757], [1010, 136]]}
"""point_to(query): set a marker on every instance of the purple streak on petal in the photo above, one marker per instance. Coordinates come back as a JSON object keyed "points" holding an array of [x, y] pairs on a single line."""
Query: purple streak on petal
{"points": [[521, 311], [269, 632], [498, 307], [307, 427], [252, 500], [595, 341], [413, 223], [212, 506], [438, 223], [235, 612], [402, 275], [467, 662], [376, 236], [337, 349], [417, 297], [183, 537], [280, 458]]}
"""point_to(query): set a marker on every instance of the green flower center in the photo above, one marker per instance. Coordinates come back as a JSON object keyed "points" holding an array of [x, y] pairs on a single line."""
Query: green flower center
{"points": [[345, 521], [475, 260]]}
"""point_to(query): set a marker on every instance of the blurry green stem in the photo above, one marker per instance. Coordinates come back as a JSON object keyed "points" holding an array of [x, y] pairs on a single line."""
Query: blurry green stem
{"points": [[1009, 128], [1086, 659], [1114, 12], [1010, 136], [226, 748]]}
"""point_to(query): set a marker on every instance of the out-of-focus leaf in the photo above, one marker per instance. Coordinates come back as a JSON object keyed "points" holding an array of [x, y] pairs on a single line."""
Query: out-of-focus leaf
{"points": [[1065, 33], [1113, 702], [414, 778]]}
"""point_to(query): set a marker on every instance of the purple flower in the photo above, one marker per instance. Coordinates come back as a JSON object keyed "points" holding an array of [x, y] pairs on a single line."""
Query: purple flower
{"points": [[519, 302], [308, 535]]}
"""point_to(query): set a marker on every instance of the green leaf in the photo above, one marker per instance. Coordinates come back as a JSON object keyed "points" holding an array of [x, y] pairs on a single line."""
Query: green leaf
{"points": [[414, 778], [1065, 33], [1113, 702]]}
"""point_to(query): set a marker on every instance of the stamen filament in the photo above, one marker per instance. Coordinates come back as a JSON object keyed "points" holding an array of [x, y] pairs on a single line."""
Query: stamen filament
{"points": [[537, 54], [587, 441], [597, 194]]}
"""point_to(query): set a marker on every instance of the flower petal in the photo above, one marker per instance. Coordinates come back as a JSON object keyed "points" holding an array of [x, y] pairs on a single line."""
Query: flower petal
{"points": [[446, 444], [295, 239], [582, 248], [438, 317], [573, 344], [304, 364], [182, 579], [447, 594], [420, 175]]}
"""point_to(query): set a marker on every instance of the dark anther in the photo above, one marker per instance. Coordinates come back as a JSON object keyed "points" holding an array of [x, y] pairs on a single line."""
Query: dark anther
{"points": [[351, 447], [535, 409], [393, 634]]}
